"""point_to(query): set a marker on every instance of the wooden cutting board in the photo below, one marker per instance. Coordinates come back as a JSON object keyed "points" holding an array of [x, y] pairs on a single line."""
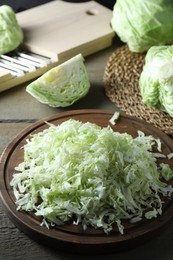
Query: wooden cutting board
{"points": [[61, 29], [69, 236]]}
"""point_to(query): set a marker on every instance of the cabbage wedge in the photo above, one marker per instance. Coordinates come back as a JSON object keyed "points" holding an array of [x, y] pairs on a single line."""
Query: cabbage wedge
{"points": [[62, 85]]}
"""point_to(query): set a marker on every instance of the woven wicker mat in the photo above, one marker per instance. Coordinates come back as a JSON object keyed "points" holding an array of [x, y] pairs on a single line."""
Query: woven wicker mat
{"points": [[121, 78]]}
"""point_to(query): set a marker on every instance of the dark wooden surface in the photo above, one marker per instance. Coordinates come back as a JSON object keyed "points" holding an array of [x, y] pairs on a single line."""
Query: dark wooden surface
{"points": [[19, 110]]}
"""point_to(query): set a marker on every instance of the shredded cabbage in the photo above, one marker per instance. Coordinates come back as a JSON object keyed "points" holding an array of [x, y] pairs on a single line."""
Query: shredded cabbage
{"points": [[90, 174], [114, 118]]}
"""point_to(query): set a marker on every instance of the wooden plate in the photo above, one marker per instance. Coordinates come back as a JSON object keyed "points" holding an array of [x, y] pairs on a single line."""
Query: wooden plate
{"points": [[71, 237]]}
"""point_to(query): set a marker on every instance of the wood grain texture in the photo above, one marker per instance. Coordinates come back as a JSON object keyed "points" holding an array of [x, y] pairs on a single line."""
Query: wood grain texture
{"points": [[71, 237], [60, 29], [4, 75], [15, 244]]}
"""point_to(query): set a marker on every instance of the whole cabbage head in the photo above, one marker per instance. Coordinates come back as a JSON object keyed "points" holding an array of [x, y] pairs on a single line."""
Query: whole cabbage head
{"points": [[11, 34], [143, 23], [156, 79]]}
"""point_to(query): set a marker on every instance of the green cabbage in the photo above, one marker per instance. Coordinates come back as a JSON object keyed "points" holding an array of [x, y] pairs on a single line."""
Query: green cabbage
{"points": [[92, 175], [62, 85], [156, 79], [143, 24], [11, 35]]}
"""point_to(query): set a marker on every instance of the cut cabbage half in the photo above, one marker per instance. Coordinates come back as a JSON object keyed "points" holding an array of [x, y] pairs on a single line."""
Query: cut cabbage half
{"points": [[63, 85], [91, 175]]}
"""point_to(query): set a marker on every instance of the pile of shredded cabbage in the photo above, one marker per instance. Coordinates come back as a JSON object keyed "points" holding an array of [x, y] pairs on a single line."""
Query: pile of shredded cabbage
{"points": [[93, 175]]}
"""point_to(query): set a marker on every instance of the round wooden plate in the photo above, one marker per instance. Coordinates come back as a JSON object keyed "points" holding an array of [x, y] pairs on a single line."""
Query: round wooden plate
{"points": [[71, 237]]}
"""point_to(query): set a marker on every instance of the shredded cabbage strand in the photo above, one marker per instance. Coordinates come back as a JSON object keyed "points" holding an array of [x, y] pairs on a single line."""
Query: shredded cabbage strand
{"points": [[90, 174]]}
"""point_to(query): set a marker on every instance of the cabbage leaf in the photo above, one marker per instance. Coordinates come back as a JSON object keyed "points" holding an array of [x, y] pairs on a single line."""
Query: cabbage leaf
{"points": [[156, 79], [143, 24]]}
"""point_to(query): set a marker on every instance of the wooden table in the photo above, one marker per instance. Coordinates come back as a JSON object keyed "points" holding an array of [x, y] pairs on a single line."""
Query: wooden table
{"points": [[19, 110]]}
